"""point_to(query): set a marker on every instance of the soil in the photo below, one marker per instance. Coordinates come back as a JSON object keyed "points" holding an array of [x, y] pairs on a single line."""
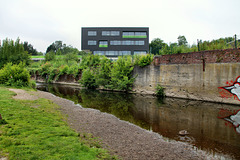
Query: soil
{"points": [[127, 141]]}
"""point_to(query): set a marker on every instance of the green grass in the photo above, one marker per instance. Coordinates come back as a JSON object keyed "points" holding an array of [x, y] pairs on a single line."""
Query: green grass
{"points": [[58, 56], [40, 132], [37, 56]]}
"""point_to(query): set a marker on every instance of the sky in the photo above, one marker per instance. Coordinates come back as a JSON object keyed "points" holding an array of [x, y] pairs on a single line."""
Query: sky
{"points": [[42, 22]]}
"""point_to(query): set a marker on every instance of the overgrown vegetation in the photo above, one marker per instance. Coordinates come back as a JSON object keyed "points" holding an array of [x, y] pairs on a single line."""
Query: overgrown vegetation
{"points": [[159, 47], [36, 130], [13, 52], [100, 71], [15, 75], [97, 71]]}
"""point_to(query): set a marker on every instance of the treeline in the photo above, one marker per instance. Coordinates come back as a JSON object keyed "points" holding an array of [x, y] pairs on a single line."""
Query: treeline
{"points": [[159, 47], [13, 52]]}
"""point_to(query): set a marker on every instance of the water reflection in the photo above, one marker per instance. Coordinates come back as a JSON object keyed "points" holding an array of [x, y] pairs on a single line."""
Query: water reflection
{"points": [[201, 119]]}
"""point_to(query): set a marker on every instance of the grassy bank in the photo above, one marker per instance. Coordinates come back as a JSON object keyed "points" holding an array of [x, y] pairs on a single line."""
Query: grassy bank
{"points": [[58, 56], [36, 130]]}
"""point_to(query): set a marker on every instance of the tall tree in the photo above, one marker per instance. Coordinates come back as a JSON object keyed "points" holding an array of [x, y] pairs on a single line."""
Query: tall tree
{"points": [[11, 51], [29, 48], [182, 40], [58, 46], [156, 45]]}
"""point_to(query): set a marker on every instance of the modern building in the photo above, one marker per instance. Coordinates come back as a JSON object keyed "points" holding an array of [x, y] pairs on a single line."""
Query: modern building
{"points": [[115, 41]]}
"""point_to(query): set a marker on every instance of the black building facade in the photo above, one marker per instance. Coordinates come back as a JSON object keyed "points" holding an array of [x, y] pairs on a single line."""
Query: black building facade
{"points": [[115, 41]]}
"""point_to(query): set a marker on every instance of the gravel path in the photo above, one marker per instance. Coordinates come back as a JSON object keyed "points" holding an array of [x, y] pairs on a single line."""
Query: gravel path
{"points": [[126, 140]]}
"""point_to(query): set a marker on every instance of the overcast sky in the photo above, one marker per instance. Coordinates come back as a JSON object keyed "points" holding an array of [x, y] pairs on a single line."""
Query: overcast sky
{"points": [[41, 22]]}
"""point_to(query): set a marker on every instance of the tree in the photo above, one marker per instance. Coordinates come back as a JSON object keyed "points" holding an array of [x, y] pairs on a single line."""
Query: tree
{"points": [[156, 45], [29, 48], [182, 40], [58, 46], [11, 51]]}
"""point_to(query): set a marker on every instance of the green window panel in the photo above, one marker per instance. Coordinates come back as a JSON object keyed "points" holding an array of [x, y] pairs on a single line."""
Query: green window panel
{"points": [[103, 46], [125, 36]]}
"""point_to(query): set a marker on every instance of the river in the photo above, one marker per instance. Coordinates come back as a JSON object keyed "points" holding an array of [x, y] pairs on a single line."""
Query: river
{"points": [[210, 125]]}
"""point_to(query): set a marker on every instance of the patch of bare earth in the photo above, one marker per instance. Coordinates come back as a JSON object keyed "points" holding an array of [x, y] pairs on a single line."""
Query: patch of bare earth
{"points": [[126, 140], [21, 94]]}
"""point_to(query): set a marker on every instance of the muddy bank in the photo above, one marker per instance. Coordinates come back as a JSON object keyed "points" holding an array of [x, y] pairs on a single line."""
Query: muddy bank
{"points": [[120, 137]]}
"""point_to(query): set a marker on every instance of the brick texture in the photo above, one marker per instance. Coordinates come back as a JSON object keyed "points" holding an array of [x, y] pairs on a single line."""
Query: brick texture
{"points": [[211, 56]]}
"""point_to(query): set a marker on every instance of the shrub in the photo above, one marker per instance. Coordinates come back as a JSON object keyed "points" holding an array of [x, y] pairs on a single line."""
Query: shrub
{"points": [[121, 74], [145, 60], [160, 91], [15, 75], [88, 80], [50, 56], [70, 57]]}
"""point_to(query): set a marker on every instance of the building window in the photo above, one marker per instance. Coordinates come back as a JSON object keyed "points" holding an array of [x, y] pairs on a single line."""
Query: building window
{"points": [[110, 33], [123, 53], [103, 44], [98, 52], [140, 52], [138, 43], [112, 53], [92, 33], [134, 35], [92, 43], [115, 42]]}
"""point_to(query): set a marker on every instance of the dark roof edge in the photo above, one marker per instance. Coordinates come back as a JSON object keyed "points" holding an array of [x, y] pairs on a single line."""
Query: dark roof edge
{"points": [[114, 27]]}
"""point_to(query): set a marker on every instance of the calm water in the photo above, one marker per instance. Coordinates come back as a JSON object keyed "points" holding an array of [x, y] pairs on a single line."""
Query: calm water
{"points": [[209, 124]]}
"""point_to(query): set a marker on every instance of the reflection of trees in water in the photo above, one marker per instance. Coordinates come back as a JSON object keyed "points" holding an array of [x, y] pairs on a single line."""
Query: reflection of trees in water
{"points": [[119, 104]]}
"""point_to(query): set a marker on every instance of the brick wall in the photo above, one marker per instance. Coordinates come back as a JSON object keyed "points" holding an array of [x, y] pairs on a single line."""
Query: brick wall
{"points": [[212, 56]]}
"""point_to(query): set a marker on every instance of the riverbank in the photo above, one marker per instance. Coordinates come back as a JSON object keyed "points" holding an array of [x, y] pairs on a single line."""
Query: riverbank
{"points": [[122, 138], [34, 128]]}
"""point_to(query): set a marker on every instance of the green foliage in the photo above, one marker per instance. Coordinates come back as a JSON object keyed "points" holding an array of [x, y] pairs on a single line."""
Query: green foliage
{"points": [[100, 71], [145, 60], [13, 52], [182, 40], [59, 48], [90, 60], [160, 91], [88, 79], [103, 76], [182, 47], [156, 45], [3, 121], [50, 56], [41, 133], [15, 75], [29, 48], [71, 57], [121, 74]]}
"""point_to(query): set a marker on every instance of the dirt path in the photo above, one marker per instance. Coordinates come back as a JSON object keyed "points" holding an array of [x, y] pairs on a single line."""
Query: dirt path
{"points": [[126, 140]]}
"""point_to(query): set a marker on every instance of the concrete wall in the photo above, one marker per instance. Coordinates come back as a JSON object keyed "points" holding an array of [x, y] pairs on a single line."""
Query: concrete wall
{"points": [[191, 79]]}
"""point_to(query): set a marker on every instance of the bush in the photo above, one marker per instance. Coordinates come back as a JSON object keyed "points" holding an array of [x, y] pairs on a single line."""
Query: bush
{"points": [[145, 60], [15, 75], [160, 91], [88, 80], [50, 56], [121, 74], [70, 57]]}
